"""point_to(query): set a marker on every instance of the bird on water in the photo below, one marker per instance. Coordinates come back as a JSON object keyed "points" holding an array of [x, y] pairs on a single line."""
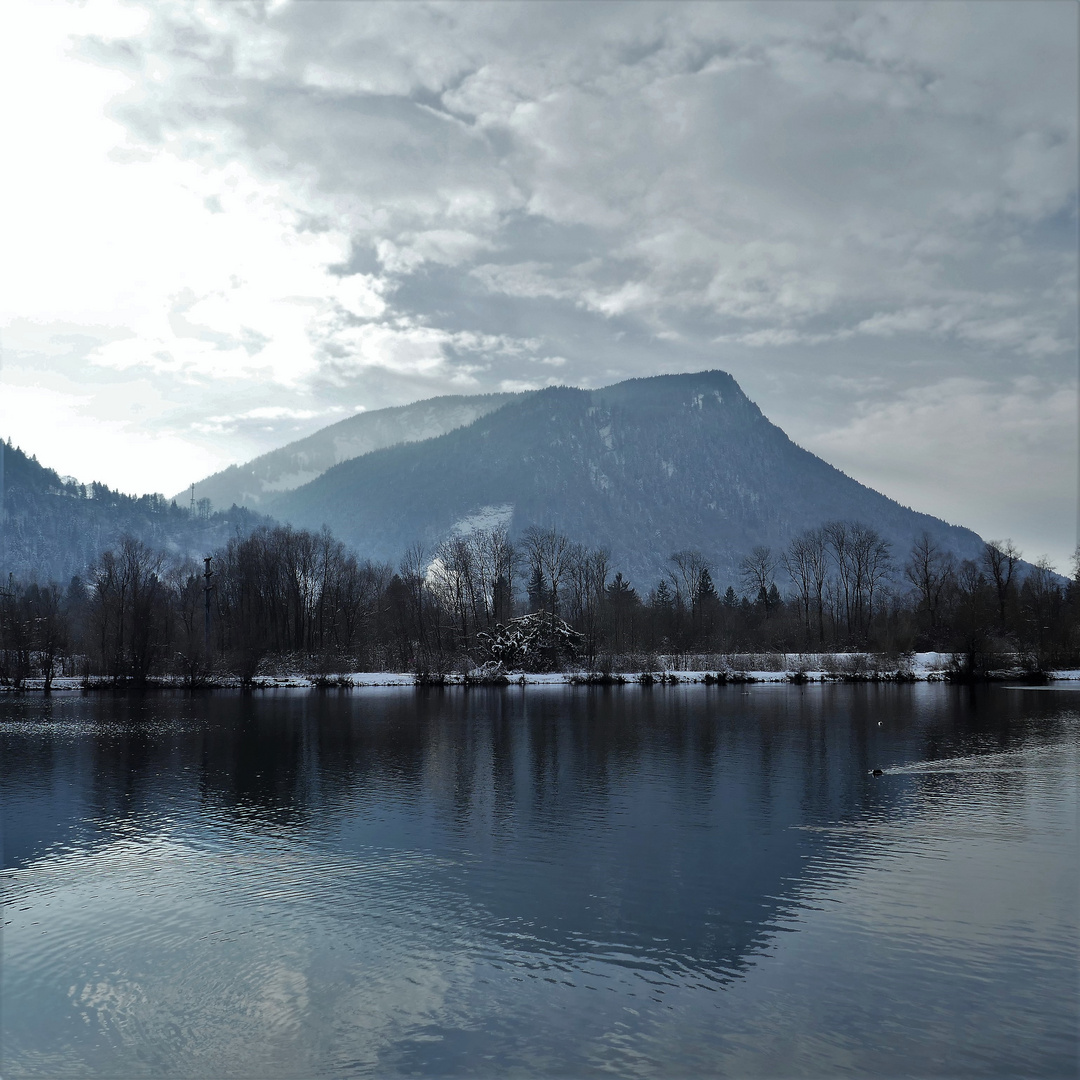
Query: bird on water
{"points": [[878, 772]]}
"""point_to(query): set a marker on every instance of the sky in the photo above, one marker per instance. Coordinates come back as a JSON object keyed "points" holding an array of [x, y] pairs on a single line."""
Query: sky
{"points": [[225, 226]]}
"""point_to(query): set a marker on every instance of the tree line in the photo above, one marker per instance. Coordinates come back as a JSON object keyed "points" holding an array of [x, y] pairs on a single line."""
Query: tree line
{"points": [[279, 597]]}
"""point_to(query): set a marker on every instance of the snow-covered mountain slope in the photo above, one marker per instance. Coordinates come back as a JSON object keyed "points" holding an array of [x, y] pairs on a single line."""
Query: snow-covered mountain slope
{"points": [[253, 484], [646, 467]]}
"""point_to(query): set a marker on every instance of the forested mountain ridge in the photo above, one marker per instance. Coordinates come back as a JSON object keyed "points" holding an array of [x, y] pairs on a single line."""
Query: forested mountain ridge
{"points": [[645, 467], [255, 483], [670, 517], [53, 527]]}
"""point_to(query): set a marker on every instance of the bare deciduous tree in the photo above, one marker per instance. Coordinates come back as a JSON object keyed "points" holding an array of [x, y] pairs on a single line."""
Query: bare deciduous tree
{"points": [[1000, 558], [690, 570], [547, 552], [930, 571], [807, 564], [757, 571]]}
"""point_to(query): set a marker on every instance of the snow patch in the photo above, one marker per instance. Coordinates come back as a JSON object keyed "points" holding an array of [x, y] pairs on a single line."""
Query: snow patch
{"points": [[486, 517], [808, 667], [290, 481]]}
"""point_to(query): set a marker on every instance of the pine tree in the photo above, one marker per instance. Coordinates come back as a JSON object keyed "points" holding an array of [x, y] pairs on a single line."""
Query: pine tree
{"points": [[537, 590], [620, 590], [661, 597], [705, 590]]}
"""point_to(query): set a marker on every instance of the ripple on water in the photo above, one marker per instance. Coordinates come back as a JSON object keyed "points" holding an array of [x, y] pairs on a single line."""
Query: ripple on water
{"points": [[706, 895]]}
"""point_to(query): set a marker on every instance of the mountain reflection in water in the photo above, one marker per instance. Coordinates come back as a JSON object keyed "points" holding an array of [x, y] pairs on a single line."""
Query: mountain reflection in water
{"points": [[676, 880]]}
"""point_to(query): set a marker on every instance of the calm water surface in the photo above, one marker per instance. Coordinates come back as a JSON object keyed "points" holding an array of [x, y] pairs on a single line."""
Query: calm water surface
{"points": [[556, 881]]}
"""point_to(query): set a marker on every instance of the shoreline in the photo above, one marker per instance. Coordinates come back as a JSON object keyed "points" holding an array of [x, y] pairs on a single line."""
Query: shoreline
{"points": [[843, 668]]}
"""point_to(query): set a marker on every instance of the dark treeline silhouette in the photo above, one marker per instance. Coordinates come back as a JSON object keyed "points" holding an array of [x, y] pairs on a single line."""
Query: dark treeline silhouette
{"points": [[279, 599]]}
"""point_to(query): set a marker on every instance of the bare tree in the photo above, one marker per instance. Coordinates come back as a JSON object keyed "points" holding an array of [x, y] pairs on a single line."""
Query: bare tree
{"points": [[16, 635], [359, 588], [838, 536], [547, 552], [48, 629], [185, 585], [690, 570], [587, 576], [453, 576], [127, 592], [872, 562], [757, 571], [1000, 557], [817, 559], [413, 571], [806, 563], [496, 560], [930, 571]]}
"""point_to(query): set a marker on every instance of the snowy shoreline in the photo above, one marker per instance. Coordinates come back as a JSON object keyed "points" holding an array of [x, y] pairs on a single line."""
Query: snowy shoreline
{"points": [[794, 669]]}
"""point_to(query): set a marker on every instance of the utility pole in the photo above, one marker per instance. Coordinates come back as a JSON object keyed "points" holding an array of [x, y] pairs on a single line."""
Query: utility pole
{"points": [[207, 588], [192, 500]]}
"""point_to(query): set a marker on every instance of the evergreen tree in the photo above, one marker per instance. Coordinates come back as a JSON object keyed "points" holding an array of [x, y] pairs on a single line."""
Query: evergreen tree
{"points": [[662, 597], [620, 590], [706, 591], [537, 590]]}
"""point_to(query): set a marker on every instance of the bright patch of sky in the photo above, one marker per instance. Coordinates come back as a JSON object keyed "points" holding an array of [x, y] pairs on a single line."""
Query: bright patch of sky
{"points": [[226, 225]]}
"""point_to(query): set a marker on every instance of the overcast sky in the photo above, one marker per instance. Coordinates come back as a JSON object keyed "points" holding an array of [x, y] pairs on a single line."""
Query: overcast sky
{"points": [[225, 226]]}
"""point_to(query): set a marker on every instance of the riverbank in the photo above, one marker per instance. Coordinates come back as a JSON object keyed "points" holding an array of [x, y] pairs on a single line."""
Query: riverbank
{"points": [[794, 668]]}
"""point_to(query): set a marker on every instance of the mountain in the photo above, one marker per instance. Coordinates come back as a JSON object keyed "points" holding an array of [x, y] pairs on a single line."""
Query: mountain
{"points": [[646, 467], [53, 527], [255, 483]]}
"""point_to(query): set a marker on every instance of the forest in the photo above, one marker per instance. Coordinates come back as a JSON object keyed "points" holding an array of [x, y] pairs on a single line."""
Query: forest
{"points": [[284, 599]]}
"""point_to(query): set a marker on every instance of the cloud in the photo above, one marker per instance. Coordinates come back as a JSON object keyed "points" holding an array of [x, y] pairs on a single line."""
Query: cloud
{"points": [[367, 204], [116, 446], [268, 417], [974, 454]]}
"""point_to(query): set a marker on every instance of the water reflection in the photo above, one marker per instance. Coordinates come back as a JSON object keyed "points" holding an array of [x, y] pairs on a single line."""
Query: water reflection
{"points": [[557, 881]]}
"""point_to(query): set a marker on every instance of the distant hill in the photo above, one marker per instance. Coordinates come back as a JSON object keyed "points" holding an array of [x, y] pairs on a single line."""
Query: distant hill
{"points": [[52, 527], [256, 483], [645, 467]]}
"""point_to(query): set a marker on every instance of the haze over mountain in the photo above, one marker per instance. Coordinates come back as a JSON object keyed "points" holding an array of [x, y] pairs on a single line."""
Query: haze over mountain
{"points": [[256, 482], [645, 468]]}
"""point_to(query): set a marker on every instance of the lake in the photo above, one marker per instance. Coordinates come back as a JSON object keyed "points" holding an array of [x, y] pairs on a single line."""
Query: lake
{"points": [[676, 880]]}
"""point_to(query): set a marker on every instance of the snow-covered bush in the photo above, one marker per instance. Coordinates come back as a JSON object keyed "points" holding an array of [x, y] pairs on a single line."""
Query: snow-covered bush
{"points": [[538, 641]]}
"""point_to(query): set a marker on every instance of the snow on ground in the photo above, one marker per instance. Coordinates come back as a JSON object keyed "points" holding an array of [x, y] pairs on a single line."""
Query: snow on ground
{"points": [[784, 668], [486, 517]]}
